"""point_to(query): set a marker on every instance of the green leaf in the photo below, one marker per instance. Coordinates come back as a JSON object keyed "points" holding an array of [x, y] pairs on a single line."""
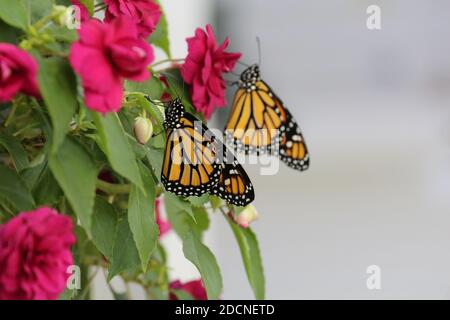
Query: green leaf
{"points": [[157, 275], [175, 203], [8, 34], [248, 244], [216, 202], [202, 221], [89, 4], [104, 227], [160, 37], [13, 12], [141, 218], [199, 201], [154, 112], [47, 191], [152, 87], [32, 174], [115, 145], [84, 247], [59, 89], [183, 218], [125, 256], [13, 190], [76, 174], [155, 157], [206, 263], [38, 9], [15, 149]]}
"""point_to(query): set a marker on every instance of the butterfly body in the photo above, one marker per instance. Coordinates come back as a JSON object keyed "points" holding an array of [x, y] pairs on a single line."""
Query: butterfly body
{"points": [[259, 123], [196, 162]]}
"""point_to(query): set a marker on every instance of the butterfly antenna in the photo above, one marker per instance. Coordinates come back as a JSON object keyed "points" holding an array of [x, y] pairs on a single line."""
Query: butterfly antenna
{"points": [[231, 83], [171, 84], [235, 74], [155, 102], [243, 64], [258, 42]]}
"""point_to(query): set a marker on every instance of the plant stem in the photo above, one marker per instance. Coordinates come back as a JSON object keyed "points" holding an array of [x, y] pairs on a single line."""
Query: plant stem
{"points": [[87, 285], [99, 8], [43, 22], [113, 188], [166, 61]]}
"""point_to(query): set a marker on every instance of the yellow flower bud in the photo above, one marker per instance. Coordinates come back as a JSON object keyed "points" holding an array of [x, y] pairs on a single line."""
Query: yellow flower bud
{"points": [[143, 129]]}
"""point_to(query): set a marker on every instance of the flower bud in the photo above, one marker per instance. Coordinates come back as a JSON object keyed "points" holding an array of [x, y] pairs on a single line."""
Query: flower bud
{"points": [[143, 129], [59, 14], [247, 216]]}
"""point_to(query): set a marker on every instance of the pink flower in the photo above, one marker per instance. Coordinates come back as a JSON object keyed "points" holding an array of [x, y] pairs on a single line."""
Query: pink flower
{"points": [[105, 54], [164, 226], [18, 71], [195, 288], [145, 13], [35, 254], [84, 13], [203, 69]]}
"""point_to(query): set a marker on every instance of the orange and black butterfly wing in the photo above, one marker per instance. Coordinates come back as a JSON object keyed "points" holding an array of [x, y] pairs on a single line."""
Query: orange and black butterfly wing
{"points": [[234, 185], [255, 120], [190, 166], [292, 148]]}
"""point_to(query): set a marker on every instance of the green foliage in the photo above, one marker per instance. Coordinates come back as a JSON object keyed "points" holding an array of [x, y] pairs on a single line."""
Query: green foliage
{"points": [[114, 143], [206, 263], [13, 12], [58, 87], [125, 256], [160, 37], [248, 244], [7, 33], [141, 217], [76, 174], [46, 191], [89, 5], [15, 149], [178, 88], [104, 226], [153, 87], [38, 9], [14, 194]]}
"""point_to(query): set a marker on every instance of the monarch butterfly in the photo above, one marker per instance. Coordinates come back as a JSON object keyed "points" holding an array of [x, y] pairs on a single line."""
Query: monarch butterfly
{"points": [[259, 123], [195, 162]]}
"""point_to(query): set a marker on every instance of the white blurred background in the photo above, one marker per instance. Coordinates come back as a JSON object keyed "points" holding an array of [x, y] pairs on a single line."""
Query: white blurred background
{"points": [[374, 107]]}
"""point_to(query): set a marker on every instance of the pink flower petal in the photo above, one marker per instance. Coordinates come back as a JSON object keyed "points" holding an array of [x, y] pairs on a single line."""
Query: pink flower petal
{"points": [[204, 67]]}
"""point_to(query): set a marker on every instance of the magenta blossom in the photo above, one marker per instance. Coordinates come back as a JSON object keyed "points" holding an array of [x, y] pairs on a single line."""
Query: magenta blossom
{"points": [[144, 13], [18, 71], [35, 254], [204, 67], [104, 56], [164, 225], [195, 288]]}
